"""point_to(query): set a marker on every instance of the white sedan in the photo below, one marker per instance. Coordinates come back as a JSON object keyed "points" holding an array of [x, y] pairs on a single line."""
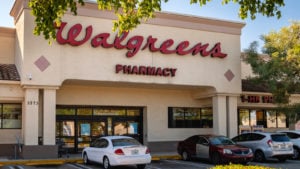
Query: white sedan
{"points": [[117, 150]]}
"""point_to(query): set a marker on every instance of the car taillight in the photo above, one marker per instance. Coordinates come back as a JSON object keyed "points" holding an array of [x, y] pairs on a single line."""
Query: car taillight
{"points": [[270, 143], [119, 152], [147, 151]]}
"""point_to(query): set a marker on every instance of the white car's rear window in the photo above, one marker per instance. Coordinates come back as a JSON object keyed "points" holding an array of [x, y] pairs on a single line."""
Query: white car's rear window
{"points": [[125, 142]]}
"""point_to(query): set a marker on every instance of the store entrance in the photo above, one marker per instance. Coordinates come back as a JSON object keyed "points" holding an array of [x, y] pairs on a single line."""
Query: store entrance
{"points": [[77, 127]]}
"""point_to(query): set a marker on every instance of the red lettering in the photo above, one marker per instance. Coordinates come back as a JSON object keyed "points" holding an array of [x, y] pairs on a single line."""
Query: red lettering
{"points": [[216, 51], [165, 45], [181, 46], [150, 43], [119, 39], [101, 39], [133, 45]]}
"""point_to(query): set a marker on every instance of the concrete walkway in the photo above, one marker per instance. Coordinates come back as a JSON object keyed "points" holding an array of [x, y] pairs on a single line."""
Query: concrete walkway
{"points": [[75, 158]]}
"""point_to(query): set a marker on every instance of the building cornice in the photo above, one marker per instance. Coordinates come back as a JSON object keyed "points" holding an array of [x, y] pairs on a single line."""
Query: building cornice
{"points": [[7, 32]]}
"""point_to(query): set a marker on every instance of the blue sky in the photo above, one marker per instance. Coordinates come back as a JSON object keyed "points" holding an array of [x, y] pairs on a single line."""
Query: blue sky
{"points": [[251, 32]]}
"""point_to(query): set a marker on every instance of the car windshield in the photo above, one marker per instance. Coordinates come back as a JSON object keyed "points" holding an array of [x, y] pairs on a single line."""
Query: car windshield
{"points": [[221, 141], [125, 142]]}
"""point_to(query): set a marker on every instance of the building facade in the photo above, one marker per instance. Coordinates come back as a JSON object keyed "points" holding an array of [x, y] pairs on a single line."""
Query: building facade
{"points": [[170, 78]]}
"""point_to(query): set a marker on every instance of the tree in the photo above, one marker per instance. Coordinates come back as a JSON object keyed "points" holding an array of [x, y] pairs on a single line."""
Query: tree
{"points": [[130, 13], [281, 69]]}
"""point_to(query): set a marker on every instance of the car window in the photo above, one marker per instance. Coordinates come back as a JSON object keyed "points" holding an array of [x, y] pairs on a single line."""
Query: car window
{"points": [[125, 142], [255, 137], [102, 143], [242, 137], [221, 141], [280, 137], [202, 140], [292, 135]]}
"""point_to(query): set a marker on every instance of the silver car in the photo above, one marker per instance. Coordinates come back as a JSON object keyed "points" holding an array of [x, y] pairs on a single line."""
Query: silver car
{"points": [[266, 145], [294, 136]]}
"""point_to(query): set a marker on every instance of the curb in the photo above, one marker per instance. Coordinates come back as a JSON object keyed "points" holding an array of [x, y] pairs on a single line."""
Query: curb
{"points": [[34, 162]]}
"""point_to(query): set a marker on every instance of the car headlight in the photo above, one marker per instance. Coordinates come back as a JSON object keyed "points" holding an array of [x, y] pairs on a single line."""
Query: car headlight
{"points": [[250, 151], [227, 151]]}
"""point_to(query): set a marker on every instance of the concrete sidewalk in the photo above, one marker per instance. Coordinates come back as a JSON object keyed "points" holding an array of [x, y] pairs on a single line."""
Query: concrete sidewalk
{"points": [[75, 158]]}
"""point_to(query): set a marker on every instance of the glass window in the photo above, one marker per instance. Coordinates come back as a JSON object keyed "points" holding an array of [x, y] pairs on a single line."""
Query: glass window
{"points": [[65, 111], [98, 129], [244, 118], [253, 118], [133, 112], [281, 120], [68, 128], [11, 116], [84, 111], [109, 112], [271, 118], [180, 117]]}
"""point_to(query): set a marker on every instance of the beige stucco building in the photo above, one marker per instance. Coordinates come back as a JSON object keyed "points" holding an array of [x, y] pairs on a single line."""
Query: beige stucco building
{"points": [[170, 78]]}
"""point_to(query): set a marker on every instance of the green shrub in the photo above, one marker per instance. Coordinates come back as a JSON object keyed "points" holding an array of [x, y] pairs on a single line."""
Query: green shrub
{"points": [[239, 166]]}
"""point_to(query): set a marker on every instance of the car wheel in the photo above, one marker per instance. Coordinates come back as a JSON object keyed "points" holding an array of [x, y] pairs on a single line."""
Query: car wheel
{"points": [[259, 156], [215, 158], [106, 164], [296, 153], [85, 158], [185, 156], [141, 166]]}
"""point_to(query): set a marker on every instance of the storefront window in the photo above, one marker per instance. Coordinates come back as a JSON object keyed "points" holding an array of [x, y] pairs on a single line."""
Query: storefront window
{"points": [[207, 117], [11, 116], [190, 117], [98, 129], [65, 111], [265, 118], [281, 120], [84, 111], [244, 118], [271, 118], [133, 112], [109, 112]]}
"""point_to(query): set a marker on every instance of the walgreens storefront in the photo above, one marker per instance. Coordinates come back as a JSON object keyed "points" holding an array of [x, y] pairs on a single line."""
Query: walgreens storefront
{"points": [[170, 78]]}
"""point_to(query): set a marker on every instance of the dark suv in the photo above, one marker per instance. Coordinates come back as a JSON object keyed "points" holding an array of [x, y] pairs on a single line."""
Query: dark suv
{"points": [[266, 145]]}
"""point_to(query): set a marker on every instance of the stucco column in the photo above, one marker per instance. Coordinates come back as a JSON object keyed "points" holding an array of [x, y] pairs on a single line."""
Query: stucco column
{"points": [[232, 116], [49, 116], [30, 116], [219, 115]]}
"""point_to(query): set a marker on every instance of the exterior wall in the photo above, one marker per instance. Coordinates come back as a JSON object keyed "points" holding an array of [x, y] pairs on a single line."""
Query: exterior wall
{"points": [[7, 43]]}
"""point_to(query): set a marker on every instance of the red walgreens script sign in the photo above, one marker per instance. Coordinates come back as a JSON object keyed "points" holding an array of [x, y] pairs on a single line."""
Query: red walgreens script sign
{"points": [[134, 43]]}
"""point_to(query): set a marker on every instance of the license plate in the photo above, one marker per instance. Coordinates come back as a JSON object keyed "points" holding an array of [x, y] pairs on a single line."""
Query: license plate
{"points": [[134, 152]]}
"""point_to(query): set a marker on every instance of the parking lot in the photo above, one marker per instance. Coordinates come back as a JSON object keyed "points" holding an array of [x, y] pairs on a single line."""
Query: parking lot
{"points": [[165, 164]]}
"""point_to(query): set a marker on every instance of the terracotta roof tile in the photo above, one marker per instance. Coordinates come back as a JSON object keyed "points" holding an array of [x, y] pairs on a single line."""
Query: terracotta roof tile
{"points": [[9, 72]]}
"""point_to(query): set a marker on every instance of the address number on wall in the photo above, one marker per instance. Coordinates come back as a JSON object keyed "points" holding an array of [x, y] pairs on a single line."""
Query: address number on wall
{"points": [[32, 103]]}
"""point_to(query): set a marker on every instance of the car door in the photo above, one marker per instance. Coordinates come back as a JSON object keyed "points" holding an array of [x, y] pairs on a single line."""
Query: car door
{"points": [[91, 151], [101, 150], [202, 148]]}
